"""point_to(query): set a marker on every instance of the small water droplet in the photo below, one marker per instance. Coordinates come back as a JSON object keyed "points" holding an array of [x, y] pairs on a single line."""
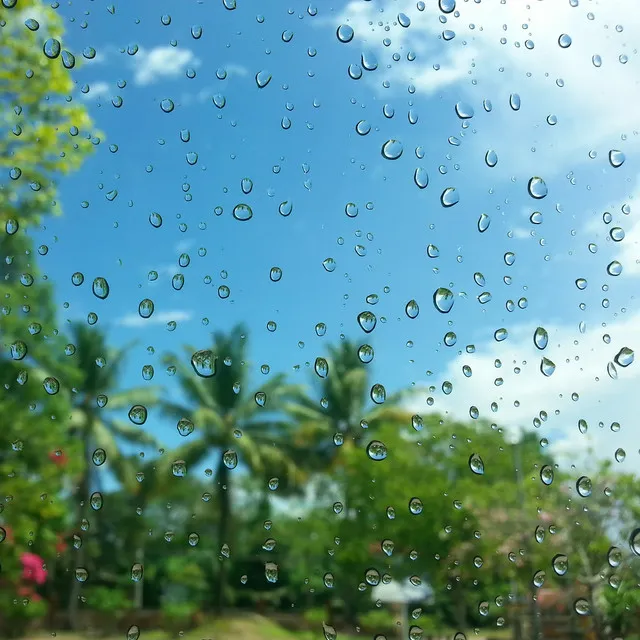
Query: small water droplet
{"points": [[546, 475], [99, 457], [584, 486], [51, 48], [100, 288], [624, 357], [263, 78], [616, 158], [560, 564], [367, 321], [476, 464], [547, 367], [491, 158], [541, 338], [145, 308], [378, 393], [421, 177], [167, 105], [564, 40], [321, 367], [412, 309]]}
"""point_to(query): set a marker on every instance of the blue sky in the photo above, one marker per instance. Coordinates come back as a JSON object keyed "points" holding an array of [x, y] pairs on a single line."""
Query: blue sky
{"points": [[320, 164]]}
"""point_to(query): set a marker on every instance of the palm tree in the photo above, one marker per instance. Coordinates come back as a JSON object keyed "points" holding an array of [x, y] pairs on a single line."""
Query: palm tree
{"points": [[97, 373], [342, 416], [237, 424]]}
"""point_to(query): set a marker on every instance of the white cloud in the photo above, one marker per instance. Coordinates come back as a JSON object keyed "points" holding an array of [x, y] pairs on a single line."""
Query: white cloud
{"points": [[96, 90], [595, 107], [236, 70], [134, 320], [581, 368], [161, 62]]}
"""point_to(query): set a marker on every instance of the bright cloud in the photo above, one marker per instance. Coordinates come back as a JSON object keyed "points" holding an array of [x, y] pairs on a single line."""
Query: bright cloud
{"points": [[512, 47], [134, 320], [161, 62], [579, 388], [96, 89]]}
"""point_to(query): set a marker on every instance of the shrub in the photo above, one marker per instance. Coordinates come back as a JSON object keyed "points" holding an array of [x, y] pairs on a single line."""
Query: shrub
{"points": [[179, 616]]}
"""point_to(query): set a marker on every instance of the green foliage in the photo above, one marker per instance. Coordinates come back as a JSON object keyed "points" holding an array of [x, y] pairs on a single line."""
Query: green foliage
{"points": [[380, 620], [111, 600], [178, 616], [19, 612]]}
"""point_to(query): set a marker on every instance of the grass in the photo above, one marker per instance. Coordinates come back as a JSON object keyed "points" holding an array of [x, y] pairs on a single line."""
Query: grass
{"points": [[248, 627]]}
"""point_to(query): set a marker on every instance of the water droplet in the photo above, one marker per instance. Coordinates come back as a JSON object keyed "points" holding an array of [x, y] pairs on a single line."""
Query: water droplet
{"points": [[167, 105], [133, 633], [421, 177], [447, 6], [483, 222], [539, 578], [620, 455], [547, 367], [328, 580], [564, 41], [138, 414], [185, 427], [329, 264], [32, 24], [584, 486], [145, 308], [179, 468], [541, 338], [365, 353], [68, 60], [271, 572], [581, 607], [464, 110], [100, 288], [275, 275], [415, 506], [634, 541], [99, 457], [82, 575], [616, 158], [546, 475], [96, 501], [560, 564], [614, 557], [363, 128], [260, 398], [404, 20], [614, 268], [491, 158], [51, 48], [344, 33], [18, 350], [443, 300], [242, 212], [412, 309], [137, 572], [367, 321], [51, 385], [596, 60], [230, 459], [476, 464], [377, 450], [321, 367], [500, 334], [449, 197], [196, 31], [392, 149], [204, 363], [624, 357], [387, 547], [539, 534], [515, 102], [263, 78], [537, 188], [378, 393]]}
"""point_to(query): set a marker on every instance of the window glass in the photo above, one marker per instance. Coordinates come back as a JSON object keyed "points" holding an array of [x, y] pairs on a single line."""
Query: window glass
{"points": [[318, 320]]}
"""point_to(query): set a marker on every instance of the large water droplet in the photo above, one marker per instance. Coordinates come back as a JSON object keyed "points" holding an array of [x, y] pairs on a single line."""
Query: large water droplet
{"points": [[412, 309], [378, 393], [560, 564], [537, 188], [449, 197], [271, 572], [546, 474], [344, 33], [51, 48], [624, 357], [491, 158], [185, 427], [230, 459], [100, 288], [447, 6], [367, 321], [476, 464], [443, 300], [541, 338], [242, 212], [321, 367], [581, 607], [564, 40], [204, 363], [547, 367], [421, 177], [145, 308], [138, 414], [263, 78], [464, 110], [365, 353], [584, 486], [377, 450], [392, 149], [616, 158]]}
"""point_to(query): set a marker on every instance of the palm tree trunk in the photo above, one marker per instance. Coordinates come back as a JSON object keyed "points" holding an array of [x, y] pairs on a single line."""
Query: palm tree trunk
{"points": [[224, 526], [138, 587], [80, 554]]}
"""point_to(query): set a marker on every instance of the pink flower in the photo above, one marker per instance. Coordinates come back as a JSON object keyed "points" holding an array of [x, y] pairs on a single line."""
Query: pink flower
{"points": [[33, 568]]}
